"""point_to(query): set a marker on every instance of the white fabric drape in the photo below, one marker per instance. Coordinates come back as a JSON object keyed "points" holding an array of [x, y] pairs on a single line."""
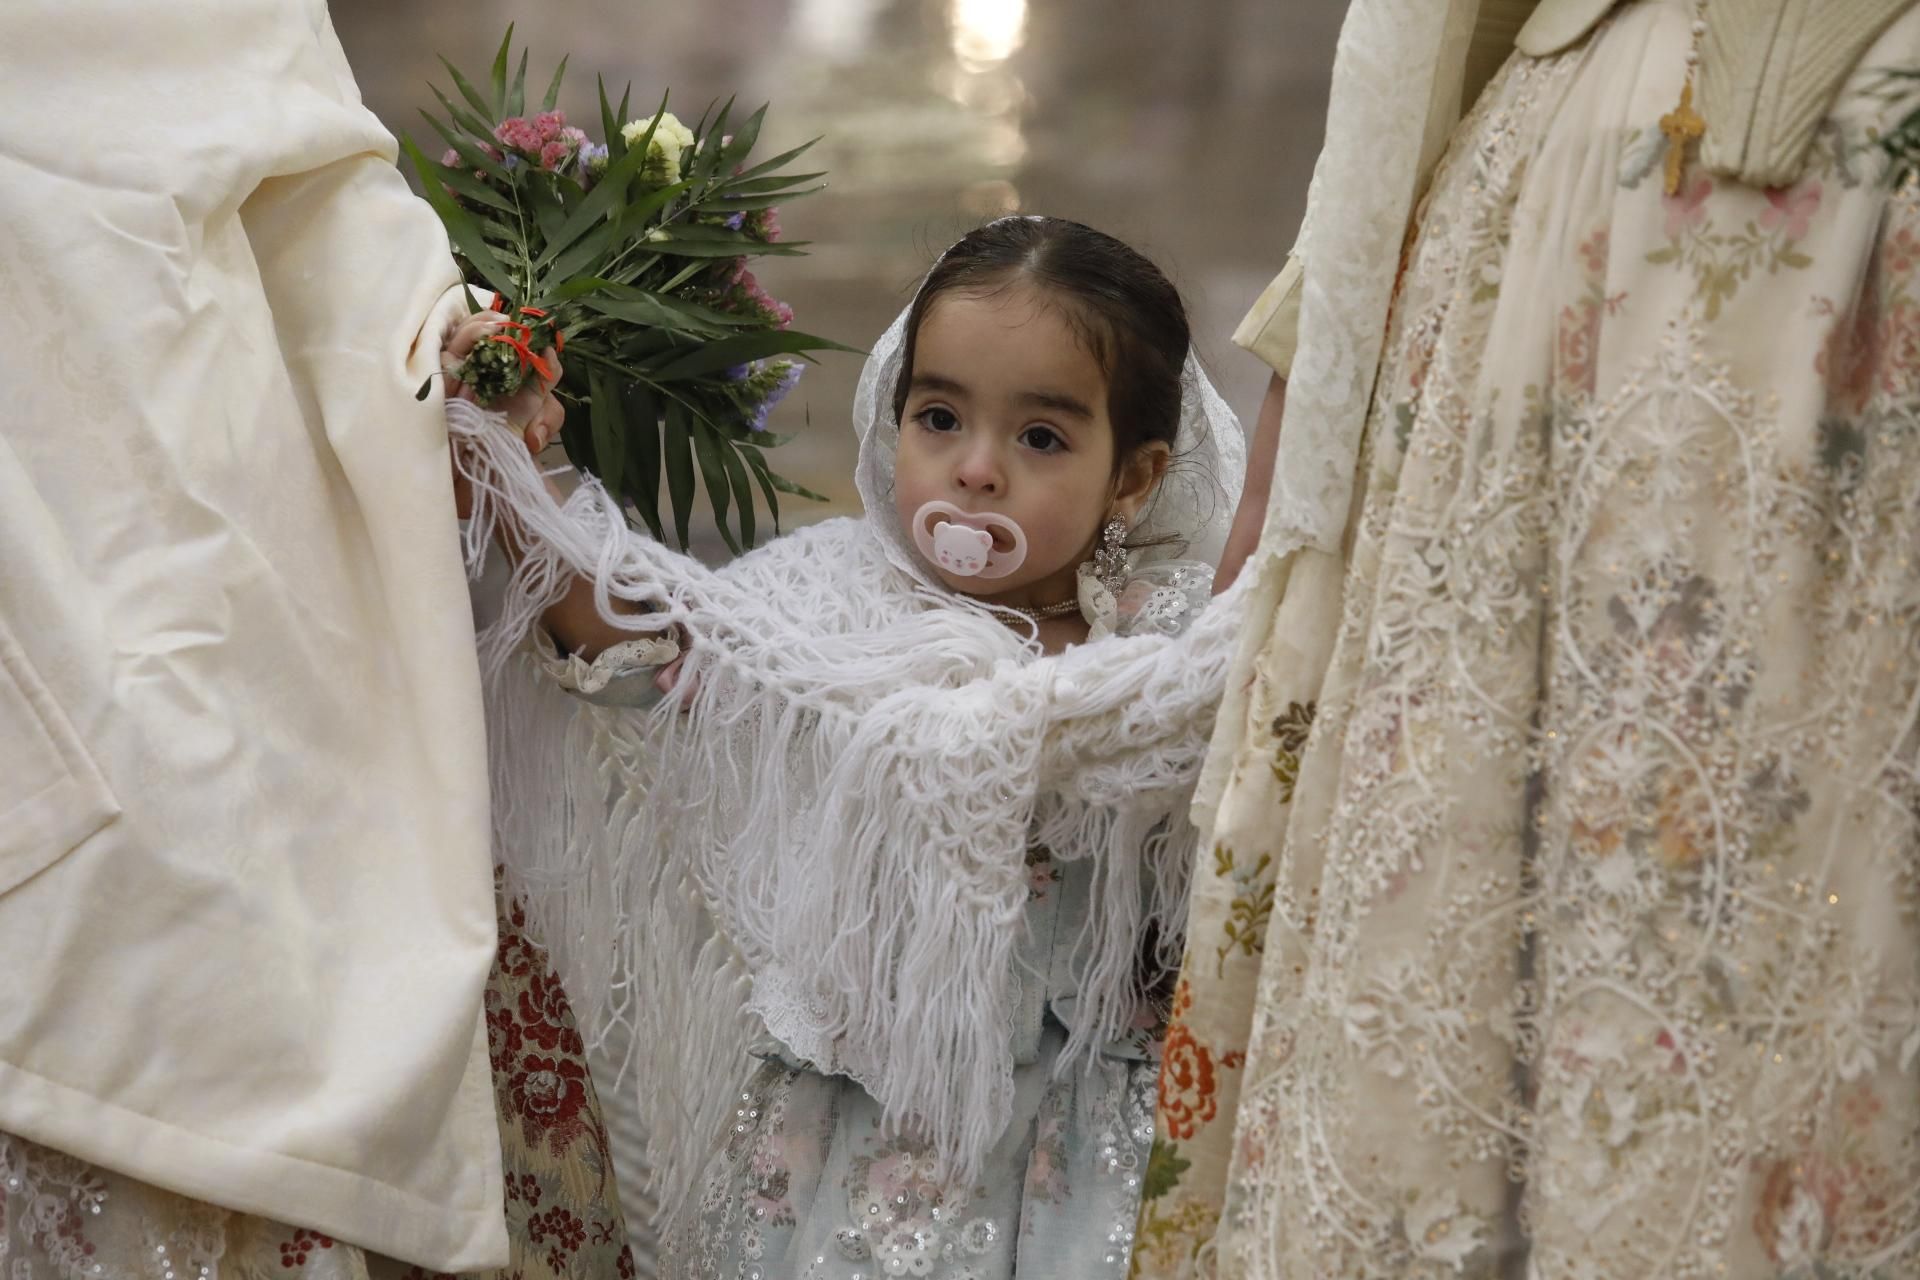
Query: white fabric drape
{"points": [[247, 917]]}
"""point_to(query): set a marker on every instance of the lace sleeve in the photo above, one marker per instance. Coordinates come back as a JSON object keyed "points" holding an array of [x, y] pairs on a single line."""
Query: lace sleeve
{"points": [[1164, 599], [621, 676]]}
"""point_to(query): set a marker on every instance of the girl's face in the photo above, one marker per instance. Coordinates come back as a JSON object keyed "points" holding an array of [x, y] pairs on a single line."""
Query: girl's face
{"points": [[1006, 412]]}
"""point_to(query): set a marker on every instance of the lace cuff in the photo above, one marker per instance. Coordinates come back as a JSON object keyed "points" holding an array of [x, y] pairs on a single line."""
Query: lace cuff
{"points": [[1159, 599], [621, 676], [1272, 328]]}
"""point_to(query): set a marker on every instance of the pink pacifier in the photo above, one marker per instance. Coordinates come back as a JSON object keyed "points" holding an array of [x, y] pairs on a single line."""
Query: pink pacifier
{"points": [[962, 543]]}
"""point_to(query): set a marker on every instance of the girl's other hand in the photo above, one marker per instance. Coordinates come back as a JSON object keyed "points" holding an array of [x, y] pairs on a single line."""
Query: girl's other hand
{"points": [[533, 410]]}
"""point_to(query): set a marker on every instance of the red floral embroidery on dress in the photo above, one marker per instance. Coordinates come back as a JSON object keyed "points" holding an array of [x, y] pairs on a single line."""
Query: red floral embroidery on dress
{"points": [[566, 1232], [504, 1037], [295, 1249], [543, 1016], [523, 1187], [563, 1220], [517, 956], [1187, 1084], [549, 1094]]}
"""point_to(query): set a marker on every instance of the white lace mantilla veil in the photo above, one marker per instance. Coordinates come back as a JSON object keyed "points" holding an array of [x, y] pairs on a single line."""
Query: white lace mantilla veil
{"points": [[849, 791], [1188, 517]]}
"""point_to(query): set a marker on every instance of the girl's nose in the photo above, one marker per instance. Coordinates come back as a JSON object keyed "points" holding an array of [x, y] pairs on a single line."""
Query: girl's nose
{"points": [[979, 470]]}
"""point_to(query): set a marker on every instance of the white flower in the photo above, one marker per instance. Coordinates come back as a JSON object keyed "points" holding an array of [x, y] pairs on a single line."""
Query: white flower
{"points": [[1440, 1229], [1802, 1234], [670, 140]]}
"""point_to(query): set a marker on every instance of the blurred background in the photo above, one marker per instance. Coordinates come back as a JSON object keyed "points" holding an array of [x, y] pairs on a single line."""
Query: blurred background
{"points": [[1187, 129]]}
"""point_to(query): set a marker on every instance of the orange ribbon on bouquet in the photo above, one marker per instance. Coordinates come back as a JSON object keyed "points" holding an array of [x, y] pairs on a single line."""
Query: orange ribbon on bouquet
{"points": [[521, 335]]}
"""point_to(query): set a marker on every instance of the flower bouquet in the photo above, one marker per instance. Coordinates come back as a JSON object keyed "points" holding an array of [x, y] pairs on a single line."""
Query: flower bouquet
{"points": [[1902, 142], [630, 256]]}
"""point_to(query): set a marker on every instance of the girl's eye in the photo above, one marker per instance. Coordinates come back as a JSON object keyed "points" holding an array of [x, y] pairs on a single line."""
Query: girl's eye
{"points": [[1043, 439], [938, 418]]}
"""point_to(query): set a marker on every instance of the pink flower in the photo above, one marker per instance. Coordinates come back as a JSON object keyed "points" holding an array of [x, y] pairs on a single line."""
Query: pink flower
{"points": [[516, 134], [1688, 207], [450, 157], [1593, 252], [548, 124], [1902, 250], [1792, 208], [555, 153]]}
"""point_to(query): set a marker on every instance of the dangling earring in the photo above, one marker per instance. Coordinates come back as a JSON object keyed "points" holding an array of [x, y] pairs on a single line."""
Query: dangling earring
{"points": [[1110, 557]]}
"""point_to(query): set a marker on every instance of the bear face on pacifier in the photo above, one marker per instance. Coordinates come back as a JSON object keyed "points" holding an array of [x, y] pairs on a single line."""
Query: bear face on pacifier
{"points": [[961, 550], [969, 544]]}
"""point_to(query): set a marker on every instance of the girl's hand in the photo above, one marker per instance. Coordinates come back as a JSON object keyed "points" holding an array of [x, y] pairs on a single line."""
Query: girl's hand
{"points": [[667, 680], [533, 410]]}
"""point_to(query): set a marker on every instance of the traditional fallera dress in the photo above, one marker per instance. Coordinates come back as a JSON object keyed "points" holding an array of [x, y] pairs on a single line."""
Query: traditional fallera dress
{"points": [[1586, 873]]}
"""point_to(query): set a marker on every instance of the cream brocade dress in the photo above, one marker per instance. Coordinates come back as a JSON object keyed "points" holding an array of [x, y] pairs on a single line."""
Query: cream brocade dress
{"points": [[1595, 938]]}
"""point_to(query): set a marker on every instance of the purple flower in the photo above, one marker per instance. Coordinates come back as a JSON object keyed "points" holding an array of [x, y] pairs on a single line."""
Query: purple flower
{"points": [[734, 220], [789, 376]]}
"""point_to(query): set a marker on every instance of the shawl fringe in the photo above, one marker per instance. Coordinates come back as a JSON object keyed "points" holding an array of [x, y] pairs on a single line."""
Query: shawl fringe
{"points": [[825, 829]]}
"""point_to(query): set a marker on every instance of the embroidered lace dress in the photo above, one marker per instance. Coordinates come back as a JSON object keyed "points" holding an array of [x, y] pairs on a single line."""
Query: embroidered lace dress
{"points": [[1595, 929]]}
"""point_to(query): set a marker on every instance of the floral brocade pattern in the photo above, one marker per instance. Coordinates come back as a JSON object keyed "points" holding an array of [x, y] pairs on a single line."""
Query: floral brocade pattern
{"points": [[64, 1219], [1595, 945], [563, 1206]]}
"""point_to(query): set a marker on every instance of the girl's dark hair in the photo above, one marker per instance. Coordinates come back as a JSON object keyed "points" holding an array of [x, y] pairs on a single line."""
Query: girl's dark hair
{"points": [[1120, 305]]}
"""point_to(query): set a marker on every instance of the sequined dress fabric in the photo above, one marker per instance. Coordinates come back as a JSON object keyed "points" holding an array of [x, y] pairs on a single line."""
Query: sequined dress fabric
{"points": [[809, 1185]]}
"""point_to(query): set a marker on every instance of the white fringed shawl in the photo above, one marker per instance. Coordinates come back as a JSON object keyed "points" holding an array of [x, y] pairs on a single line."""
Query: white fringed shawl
{"points": [[827, 831]]}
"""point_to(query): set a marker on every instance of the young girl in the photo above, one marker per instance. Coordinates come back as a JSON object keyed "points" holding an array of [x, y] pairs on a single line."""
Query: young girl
{"points": [[923, 773]]}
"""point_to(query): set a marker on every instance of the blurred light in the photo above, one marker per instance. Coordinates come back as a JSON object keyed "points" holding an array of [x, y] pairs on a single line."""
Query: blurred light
{"points": [[991, 94], [990, 199], [1002, 144], [988, 32], [839, 30]]}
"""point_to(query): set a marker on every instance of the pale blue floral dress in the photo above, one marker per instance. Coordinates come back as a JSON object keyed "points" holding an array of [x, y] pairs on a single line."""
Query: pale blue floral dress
{"points": [[810, 1187]]}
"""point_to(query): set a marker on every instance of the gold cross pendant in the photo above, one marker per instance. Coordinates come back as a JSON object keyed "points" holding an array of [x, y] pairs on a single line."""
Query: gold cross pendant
{"points": [[1683, 127]]}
